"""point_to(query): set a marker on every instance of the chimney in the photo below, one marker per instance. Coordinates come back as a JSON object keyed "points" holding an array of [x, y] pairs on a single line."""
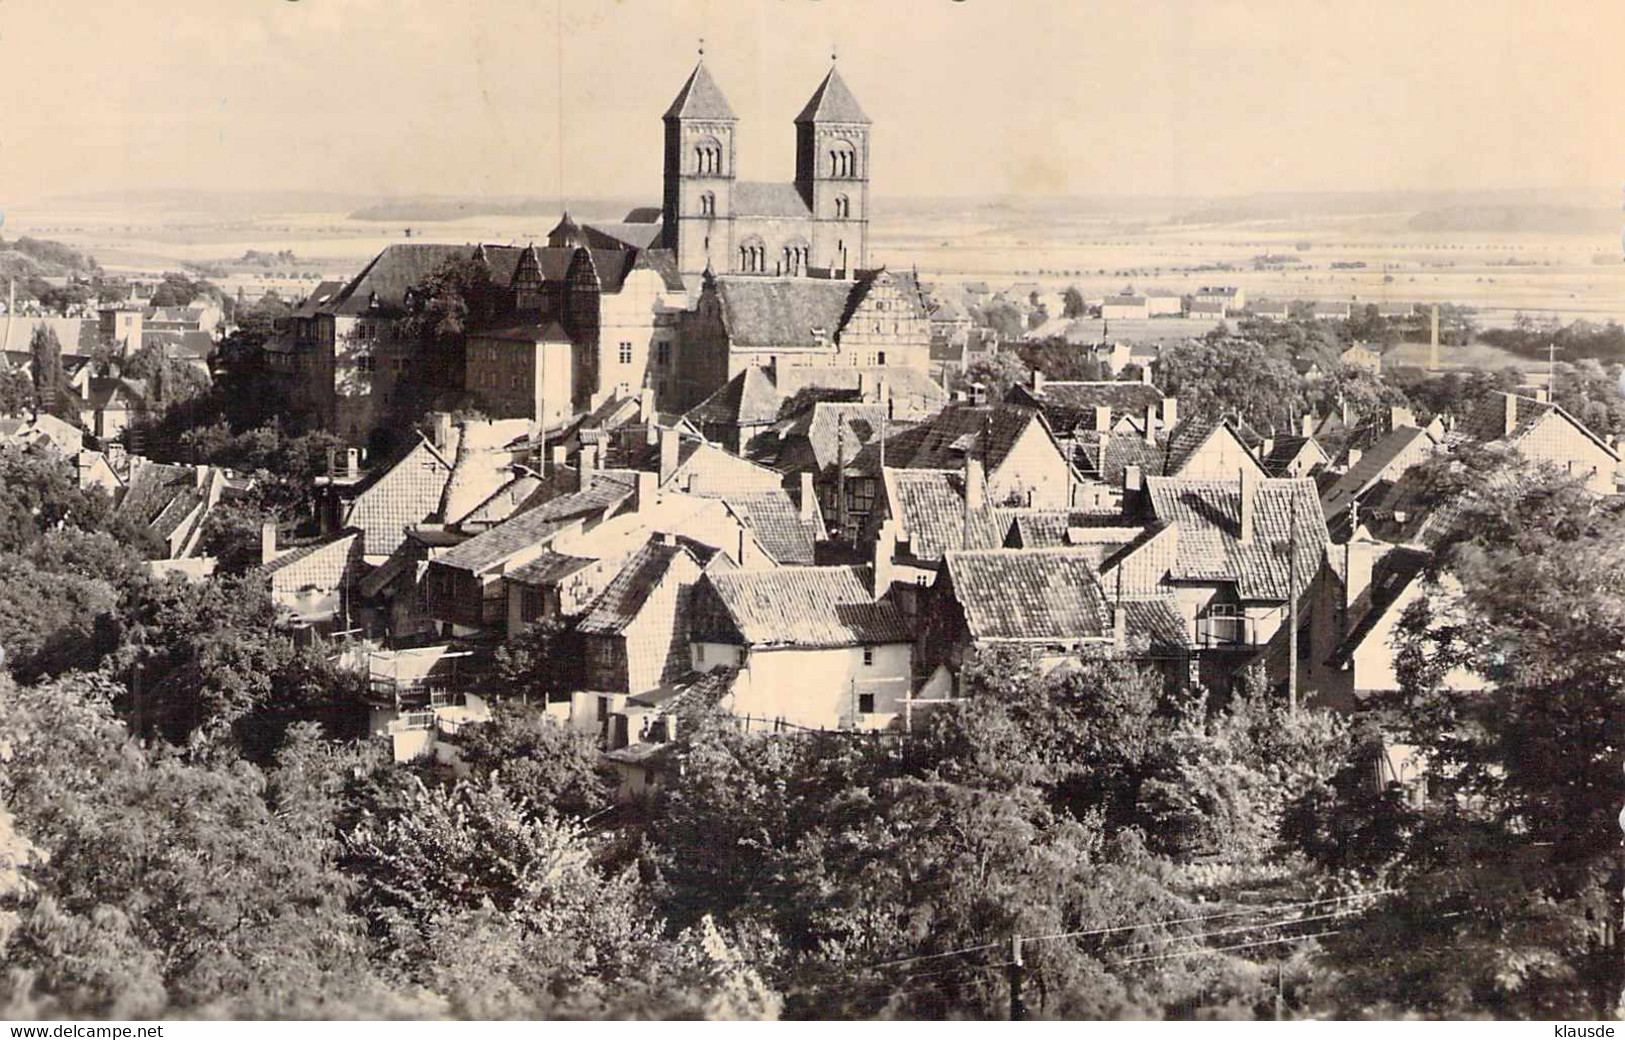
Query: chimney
{"points": [[646, 404], [1103, 417], [1145, 374], [1355, 454], [352, 463], [809, 503], [1359, 559], [1511, 414], [1400, 416], [1306, 426], [644, 492], [668, 454], [651, 434], [442, 430], [1542, 394], [560, 455], [882, 391], [1119, 626], [884, 552], [975, 485], [1133, 480], [267, 542], [1266, 447], [1348, 413], [1105, 443], [332, 463], [1170, 412], [586, 462], [1038, 381], [1151, 424], [1248, 490]]}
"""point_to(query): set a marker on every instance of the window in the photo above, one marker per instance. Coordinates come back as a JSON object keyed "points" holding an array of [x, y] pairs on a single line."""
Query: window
{"points": [[843, 160], [868, 657], [866, 704], [880, 358], [753, 256], [708, 206], [707, 156], [626, 353], [663, 354], [603, 708], [366, 362], [699, 653]]}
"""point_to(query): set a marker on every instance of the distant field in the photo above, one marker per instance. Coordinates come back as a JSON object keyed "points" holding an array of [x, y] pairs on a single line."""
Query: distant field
{"points": [[1475, 355]]}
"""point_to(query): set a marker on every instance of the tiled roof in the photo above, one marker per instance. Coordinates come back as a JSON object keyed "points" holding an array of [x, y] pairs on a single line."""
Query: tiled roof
{"points": [[1373, 466], [699, 688], [1208, 515], [1071, 406], [809, 442], [1122, 450], [548, 568], [809, 607], [1391, 576], [930, 507], [702, 467], [769, 199], [503, 502], [325, 564], [624, 598], [1487, 422], [152, 488], [783, 312], [1283, 453], [536, 525], [776, 522], [986, 432], [1156, 620], [700, 98], [748, 399], [319, 297], [1027, 594], [403, 490], [1193, 432], [832, 102]]}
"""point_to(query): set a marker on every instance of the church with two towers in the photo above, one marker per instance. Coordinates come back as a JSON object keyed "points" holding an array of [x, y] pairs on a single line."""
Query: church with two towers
{"points": [[713, 220]]}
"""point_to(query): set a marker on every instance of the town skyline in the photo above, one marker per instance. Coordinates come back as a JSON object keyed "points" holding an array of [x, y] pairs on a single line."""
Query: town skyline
{"points": [[1175, 100]]}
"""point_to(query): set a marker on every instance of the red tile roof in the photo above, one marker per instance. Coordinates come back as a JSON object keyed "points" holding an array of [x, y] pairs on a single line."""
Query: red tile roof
{"points": [[1208, 512], [806, 607], [1030, 595]]}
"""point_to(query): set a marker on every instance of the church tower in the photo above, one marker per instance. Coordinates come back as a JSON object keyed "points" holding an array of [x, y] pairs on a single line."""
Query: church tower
{"points": [[699, 175], [832, 174]]}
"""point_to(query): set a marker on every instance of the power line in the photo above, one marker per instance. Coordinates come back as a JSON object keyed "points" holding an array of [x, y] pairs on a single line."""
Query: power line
{"points": [[1235, 946], [1236, 928]]}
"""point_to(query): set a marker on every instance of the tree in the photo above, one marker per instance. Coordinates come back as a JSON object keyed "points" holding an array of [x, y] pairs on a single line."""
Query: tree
{"points": [[548, 765], [50, 382], [1005, 319], [1072, 303], [543, 664], [1220, 376], [997, 373]]}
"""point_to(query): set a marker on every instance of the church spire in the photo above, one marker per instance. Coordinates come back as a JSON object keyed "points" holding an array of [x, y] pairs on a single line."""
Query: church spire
{"points": [[700, 97], [832, 102]]}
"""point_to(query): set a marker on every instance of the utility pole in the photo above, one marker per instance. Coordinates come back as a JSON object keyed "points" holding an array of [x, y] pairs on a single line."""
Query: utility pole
{"points": [[1018, 971], [1292, 607]]}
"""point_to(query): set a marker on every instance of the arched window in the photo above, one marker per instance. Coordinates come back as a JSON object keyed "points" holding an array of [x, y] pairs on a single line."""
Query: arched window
{"points": [[708, 205], [753, 256], [843, 207], [843, 159], [707, 156], [795, 257]]}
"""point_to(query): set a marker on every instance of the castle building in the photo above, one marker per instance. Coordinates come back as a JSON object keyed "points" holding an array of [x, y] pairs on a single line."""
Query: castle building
{"points": [[714, 221]]}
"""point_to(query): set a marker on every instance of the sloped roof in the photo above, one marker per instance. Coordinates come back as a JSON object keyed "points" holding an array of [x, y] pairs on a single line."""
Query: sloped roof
{"points": [[503, 502], [809, 607], [776, 522], [151, 489], [929, 505], [830, 430], [1391, 576], [325, 564], [699, 98], [1186, 439], [1284, 452], [1487, 422], [1122, 450], [783, 312], [551, 566], [1208, 513], [1156, 620], [1030, 594], [535, 526], [832, 102], [319, 297], [1373, 466], [620, 603], [769, 199], [1071, 405], [748, 399], [985, 432], [695, 688]]}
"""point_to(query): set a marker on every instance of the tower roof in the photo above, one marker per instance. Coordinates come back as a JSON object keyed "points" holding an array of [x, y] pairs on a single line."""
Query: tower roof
{"points": [[832, 102], [700, 98], [567, 233]]}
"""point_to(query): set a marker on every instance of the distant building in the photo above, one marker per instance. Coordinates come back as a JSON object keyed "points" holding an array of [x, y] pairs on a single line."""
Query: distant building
{"points": [[1125, 308], [1362, 357], [1232, 298]]}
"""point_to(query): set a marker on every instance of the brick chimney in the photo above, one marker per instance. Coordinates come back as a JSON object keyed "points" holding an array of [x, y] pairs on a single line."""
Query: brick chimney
{"points": [[884, 552], [1170, 412], [646, 404], [1355, 455], [1151, 424], [1119, 626], [267, 542], [1360, 558], [587, 462], [560, 456], [1511, 414], [1542, 395], [668, 454], [352, 463], [1133, 481], [1145, 374], [1306, 426], [442, 430], [1248, 491], [1038, 381], [809, 503], [1103, 417]]}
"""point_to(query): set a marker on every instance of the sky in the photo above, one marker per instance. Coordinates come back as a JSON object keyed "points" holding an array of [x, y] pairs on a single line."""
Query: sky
{"points": [[1195, 98]]}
